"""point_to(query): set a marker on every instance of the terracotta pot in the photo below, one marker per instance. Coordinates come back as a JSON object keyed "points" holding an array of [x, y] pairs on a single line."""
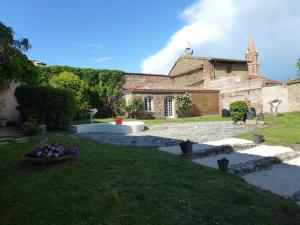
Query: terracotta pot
{"points": [[118, 121]]}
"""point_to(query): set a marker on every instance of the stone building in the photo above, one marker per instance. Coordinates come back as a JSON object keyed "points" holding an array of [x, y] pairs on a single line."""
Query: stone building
{"points": [[212, 82]]}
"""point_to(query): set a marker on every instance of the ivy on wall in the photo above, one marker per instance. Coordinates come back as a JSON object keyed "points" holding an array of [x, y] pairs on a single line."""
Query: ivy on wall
{"points": [[101, 84]]}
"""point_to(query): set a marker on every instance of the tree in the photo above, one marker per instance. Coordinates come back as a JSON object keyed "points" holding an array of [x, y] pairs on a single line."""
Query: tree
{"points": [[183, 103], [77, 86], [14, 64], [298, 66]]}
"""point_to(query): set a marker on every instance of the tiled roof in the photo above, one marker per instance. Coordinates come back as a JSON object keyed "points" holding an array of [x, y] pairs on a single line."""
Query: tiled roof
{"points": [[168, 89], [269, 82]]}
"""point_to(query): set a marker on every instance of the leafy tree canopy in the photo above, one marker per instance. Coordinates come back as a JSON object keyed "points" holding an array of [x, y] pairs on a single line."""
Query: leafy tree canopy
{"points": [[80, 89], [14, 64], [298, 66]]}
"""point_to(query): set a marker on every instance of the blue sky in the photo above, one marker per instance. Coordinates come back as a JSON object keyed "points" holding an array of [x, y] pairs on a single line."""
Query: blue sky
{"points": [[148, 36]]}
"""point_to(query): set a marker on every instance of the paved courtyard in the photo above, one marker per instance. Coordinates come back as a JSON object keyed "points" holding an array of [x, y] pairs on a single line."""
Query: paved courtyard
{"points": [[173, 133]]}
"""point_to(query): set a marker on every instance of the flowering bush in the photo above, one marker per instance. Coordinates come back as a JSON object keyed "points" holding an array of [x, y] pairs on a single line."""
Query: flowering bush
{"points": [[47, 150]]}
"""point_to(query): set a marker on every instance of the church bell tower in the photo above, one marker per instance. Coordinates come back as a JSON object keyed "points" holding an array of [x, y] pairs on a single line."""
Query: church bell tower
{"points": [[252, 60]]}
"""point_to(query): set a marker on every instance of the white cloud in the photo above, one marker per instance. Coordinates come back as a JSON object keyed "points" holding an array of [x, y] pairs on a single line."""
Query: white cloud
{"points": [[101, 59], [222, 28], [94, 47]]}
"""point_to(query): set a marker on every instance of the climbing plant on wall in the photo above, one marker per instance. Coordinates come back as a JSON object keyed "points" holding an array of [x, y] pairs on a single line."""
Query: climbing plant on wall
{"points": [[101, 84]]}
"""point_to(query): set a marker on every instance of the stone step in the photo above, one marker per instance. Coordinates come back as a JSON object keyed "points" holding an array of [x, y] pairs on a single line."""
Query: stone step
{"points": [[243, 161], [282, 179], [261, 164], [212, 147], [216, 150]]}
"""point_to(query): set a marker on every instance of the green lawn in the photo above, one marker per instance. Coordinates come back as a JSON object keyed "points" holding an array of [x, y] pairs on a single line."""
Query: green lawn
{"points": [[281, 130], [118, 185], [165, 120]]}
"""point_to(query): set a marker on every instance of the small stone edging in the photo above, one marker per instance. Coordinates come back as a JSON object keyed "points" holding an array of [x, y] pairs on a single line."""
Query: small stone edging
{"points": [[242, 169], [215, 150]]}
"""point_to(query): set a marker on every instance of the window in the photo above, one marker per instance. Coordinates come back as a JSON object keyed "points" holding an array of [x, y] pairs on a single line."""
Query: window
{"points": [[229, 68], [148, 104]]}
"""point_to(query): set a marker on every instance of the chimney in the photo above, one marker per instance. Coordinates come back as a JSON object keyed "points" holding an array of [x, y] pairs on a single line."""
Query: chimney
{"points": [[188, 51]]}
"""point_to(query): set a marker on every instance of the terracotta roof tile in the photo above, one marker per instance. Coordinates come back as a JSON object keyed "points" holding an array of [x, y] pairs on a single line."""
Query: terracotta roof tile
{"points": [[166, 89]]}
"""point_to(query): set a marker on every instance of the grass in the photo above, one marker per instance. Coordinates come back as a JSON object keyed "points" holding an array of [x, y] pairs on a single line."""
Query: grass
{"points": [[166, 120], [122, 185], [281, 130]]}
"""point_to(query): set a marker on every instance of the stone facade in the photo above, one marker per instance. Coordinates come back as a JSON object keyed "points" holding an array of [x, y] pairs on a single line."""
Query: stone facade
{"points": [[233, 79]]}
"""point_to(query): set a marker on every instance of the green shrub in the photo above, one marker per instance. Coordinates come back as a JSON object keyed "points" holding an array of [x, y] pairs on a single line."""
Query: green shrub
{"points": [[238, 109], [183, 103], [134, 106], [79, 88], [51, 106]]}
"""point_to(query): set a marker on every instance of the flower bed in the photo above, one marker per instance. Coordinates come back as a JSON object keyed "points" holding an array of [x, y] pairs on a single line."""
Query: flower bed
{"points": [[46, 152]]}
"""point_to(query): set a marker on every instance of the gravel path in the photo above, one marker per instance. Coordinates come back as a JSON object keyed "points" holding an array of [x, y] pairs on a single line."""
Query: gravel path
{"points": [[173, 133]]}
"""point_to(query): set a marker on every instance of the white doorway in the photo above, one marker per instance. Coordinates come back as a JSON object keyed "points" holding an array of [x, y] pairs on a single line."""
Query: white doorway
{"points": [[169, 107]]}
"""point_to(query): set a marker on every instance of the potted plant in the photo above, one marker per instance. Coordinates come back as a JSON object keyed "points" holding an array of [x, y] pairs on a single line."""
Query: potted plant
{"points": [[257, 139], [223, 164], [186, 146], [296, 146]]}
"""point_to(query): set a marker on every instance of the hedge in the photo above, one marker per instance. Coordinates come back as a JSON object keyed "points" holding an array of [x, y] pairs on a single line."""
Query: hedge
{"points": [[51, 106]]}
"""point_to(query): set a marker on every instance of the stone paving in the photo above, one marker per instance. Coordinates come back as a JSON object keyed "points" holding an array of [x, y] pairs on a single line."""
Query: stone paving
{"points": [[172, 133]]}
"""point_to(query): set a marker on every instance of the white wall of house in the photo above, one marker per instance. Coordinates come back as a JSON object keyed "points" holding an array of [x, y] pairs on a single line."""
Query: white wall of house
{"points": [[7, 96]]}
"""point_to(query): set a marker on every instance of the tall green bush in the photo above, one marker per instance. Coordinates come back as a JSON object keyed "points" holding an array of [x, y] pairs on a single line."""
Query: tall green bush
{"points": [[79, 88], [135, 104], [183, 103], [238, 109], [51, 106]]}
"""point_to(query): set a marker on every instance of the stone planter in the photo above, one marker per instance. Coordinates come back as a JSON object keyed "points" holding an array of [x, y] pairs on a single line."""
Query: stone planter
{"points": [[257, 139], [223, 164], [260, 117], [186, 147], [296, 147], [250, 115], [48, 160]]}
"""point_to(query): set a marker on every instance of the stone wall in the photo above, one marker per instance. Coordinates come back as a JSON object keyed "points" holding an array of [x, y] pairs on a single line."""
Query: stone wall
{"points": [[204, 103], [185, 64], [136, 79], [238, 69], [7, 96], [158, 101], [235, 88], [289, 94]]}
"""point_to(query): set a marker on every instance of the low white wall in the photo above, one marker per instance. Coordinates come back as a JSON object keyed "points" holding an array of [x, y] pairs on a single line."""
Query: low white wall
{"points": [[125, 128], [289, 94]]}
